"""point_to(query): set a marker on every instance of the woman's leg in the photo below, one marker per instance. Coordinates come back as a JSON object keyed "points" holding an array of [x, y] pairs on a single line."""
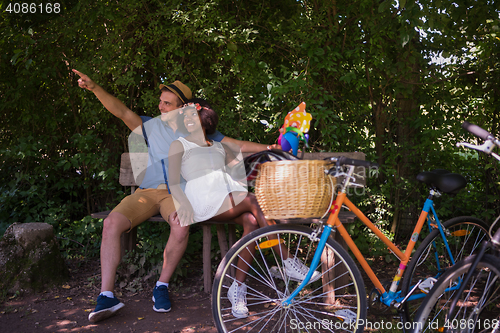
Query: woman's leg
{"points": [[248, 214], [247, 203]]}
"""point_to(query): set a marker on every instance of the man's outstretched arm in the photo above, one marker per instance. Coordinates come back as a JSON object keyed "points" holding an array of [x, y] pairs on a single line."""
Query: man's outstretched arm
{"points": [[111, 103]]}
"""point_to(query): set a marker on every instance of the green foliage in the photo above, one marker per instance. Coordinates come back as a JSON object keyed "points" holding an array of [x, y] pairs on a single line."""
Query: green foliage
{"points": [[143, 265], [43, 185], [82, 239], [371, 82], [376, 207], [79, 239]]}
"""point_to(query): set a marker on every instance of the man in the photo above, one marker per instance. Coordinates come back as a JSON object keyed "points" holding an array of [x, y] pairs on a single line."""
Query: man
{"points": [[152, 197]]}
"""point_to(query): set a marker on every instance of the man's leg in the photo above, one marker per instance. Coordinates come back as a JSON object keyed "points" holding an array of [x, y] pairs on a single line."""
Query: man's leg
{"points": [[179, 236], [107, 305], [174, 250], [132, 211], [113, 227]]}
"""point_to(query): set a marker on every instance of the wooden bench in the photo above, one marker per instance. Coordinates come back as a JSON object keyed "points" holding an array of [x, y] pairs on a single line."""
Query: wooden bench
{"points": [[128, 240]]}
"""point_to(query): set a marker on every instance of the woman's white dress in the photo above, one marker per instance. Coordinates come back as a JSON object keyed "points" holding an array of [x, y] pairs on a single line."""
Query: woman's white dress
{"points": [[208, 183]]}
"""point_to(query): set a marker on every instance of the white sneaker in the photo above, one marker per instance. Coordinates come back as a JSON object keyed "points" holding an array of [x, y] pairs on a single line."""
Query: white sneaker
{"points": [[237, 295], [295, 270]]}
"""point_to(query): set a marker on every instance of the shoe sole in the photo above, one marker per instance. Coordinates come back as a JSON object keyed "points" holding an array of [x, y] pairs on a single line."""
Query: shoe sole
{"points": [[239, 316], [94, 317], [161, 310]]}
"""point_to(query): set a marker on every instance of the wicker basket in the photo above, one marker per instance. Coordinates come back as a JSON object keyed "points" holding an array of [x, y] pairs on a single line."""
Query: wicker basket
{"points": [[294, 189]]}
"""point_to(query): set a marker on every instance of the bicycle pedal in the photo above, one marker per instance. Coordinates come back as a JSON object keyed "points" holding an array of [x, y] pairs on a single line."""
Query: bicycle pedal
{"points": [[347, 316], [427, 284]]}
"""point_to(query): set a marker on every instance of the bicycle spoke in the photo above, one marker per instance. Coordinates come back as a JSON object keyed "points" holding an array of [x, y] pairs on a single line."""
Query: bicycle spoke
{"points": [[464, 235], [268, 285], [477, 307]]}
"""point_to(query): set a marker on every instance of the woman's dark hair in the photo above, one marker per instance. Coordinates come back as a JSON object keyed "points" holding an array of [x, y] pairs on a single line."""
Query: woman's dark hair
{"points": [[208, 117]]}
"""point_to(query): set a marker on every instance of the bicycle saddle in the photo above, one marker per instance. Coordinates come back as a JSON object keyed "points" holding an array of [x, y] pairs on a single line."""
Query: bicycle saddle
{"points": [[443, 180]]}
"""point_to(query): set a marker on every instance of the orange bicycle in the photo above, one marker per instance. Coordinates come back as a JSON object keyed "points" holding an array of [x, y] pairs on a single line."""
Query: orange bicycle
{"points": [[336, 301]]}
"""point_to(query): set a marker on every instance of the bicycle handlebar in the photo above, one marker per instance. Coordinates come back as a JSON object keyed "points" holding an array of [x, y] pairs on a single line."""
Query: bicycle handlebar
{"points": [[489, 140], [477, 131]]}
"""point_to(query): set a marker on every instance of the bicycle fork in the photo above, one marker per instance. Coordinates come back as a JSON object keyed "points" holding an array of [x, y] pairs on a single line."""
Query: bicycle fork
{"points": [[315, 261]]}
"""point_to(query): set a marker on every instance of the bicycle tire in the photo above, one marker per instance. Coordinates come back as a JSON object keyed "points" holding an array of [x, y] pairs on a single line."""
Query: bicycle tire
{"points": [[314, 307], [464, 235], [478, 307]]}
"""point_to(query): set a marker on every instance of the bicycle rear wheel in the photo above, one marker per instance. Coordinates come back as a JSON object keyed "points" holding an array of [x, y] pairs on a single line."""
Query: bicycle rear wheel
{"points": [[464, 235], [334, 302], [478, 307]]}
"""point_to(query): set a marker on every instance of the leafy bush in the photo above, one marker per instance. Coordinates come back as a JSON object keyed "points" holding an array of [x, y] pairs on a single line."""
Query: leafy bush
{"points": [[370, 87], [80, 239]]}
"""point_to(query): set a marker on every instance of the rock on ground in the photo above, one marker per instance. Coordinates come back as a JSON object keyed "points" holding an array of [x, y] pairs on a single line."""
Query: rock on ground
{"points": [[30, 259]]}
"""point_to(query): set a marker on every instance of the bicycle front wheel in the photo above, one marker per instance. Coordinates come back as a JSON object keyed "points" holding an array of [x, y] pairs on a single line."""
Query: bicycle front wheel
{"points": [[478, 306], [464, 235], [334, 302]]}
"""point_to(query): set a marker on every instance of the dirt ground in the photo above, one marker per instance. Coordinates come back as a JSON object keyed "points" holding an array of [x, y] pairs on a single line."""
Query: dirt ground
{"points": [[66, 308]]}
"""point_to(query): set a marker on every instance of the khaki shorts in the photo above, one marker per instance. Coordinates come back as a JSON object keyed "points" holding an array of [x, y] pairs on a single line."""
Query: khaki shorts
{"points": [[145, 203]]}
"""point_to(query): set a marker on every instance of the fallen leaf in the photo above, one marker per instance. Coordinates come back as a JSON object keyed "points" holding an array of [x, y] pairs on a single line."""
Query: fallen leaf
{"points": [[66, 286]]}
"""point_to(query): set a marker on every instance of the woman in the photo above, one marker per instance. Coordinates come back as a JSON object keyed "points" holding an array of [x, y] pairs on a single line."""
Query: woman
{"points": [[216, 188]]}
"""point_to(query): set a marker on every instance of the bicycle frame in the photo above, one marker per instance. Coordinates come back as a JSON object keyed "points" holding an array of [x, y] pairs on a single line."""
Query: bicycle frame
{"points": [[392, 296]]}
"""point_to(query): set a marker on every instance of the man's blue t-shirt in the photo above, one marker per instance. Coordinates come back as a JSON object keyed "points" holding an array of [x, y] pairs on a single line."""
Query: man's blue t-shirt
{"points": [[159, 136]]}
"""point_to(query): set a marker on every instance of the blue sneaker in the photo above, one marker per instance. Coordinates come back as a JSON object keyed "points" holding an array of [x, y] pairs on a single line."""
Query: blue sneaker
{"points": [[161, 299], [105, 308]]}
